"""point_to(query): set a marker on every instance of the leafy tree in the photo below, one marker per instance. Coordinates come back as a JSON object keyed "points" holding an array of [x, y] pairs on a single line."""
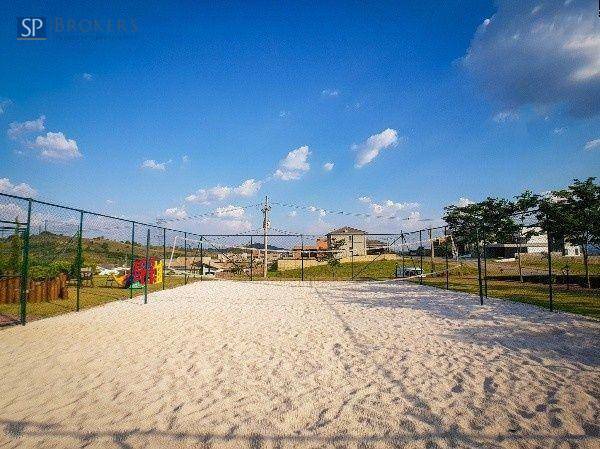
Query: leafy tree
{"points": [[463, 223], [16, 249], [491, 220], [524, 204], [332, 256], [573, 215]]}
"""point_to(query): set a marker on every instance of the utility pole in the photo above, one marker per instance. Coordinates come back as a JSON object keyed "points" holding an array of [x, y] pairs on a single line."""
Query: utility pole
{"points": [[265, 210]]}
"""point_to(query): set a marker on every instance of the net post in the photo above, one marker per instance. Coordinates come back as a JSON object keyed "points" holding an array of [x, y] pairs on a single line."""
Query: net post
{"points": [[421, 252], [185, 258], [79, 259], [446, 257], [147, 267], [164, 256], [132, 256], [302, 257], [251, 259], [479, 267], [25, 269], [550, 292]]}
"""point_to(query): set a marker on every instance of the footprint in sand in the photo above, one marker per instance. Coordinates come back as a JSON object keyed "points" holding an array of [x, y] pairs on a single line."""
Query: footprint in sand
{"points": [[489, 386]]}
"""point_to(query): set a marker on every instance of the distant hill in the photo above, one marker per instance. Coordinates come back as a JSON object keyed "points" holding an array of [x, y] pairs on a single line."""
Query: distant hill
{"points": [[262, 246], [47, 247]]}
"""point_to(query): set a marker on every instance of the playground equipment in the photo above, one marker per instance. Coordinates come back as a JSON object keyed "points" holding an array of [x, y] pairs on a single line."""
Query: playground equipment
{"points": [[138, 280]]}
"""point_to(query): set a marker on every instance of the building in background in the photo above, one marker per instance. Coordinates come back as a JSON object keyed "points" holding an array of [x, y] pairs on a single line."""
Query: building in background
{"points": [[347, 241]]}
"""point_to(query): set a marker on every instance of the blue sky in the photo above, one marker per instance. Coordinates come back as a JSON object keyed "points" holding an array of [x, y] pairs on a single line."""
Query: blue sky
{"points": [[173, 118]]}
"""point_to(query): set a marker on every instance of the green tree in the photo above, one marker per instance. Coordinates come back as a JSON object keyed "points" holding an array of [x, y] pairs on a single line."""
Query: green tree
{"points": [[491, 220], [16, 249], [525, 203], [579, 204]]}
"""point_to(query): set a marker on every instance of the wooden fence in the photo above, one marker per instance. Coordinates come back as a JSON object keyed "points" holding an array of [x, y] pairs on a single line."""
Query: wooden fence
{"points": [[39, 290]]}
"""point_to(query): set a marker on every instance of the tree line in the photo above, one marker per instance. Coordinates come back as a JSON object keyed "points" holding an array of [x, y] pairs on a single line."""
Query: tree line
{"points": [[571, 214]]}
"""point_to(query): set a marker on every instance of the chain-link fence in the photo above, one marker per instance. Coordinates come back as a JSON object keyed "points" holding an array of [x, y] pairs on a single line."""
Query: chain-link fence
{"points": [[56, 259]]}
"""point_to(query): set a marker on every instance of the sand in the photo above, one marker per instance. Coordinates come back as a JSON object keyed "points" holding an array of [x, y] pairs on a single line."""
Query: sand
{"points": [[290, 364]]}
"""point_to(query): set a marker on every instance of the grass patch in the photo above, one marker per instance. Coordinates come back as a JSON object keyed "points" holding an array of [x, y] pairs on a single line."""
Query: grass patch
{"points": [[463, 278], [89, 297]]}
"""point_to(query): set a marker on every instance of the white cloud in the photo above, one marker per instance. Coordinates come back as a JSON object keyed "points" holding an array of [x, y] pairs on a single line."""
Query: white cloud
{"points": [[109, 202], [389, 207], [230, 211], [328, 166], [559, 131], [286, 175], [294, 164], [176, 212], [87, 76], [219, 225], [16, 129], [542, 57], [151, 164], [592, 144], [248, 188], [330, 92], [56, 146], [205, 196], [21, 189], [462, 202], [292, 214], [369, 150], [4, 104], [505, 116], [235, 225]]}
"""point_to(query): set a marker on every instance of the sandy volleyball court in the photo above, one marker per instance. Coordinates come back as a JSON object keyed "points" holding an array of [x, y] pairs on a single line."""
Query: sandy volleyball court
{"points": [[226, 364]]}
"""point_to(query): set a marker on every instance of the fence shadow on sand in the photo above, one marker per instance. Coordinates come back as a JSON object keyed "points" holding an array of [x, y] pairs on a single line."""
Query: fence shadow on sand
{"points": [[33, 432]]}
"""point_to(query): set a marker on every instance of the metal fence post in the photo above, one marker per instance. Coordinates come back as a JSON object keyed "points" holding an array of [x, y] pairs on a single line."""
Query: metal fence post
{"points": [[550, 292], [485, 283], [164, 261], [132, 256], [251, 259], [147, 265], [302, 257], [446, 253], [421, 252], [352, 255], [25, 269], [79, 258], [479, 267], [185, 258], [201, 259], [402, 249], [431, 251]]}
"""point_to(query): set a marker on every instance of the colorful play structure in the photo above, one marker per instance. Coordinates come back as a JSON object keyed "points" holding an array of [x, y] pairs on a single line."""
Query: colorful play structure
{"points": [[138, 280]]}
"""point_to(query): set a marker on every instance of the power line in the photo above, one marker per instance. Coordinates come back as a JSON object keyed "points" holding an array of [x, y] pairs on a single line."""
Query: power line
{"points": [[345, 213]]}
